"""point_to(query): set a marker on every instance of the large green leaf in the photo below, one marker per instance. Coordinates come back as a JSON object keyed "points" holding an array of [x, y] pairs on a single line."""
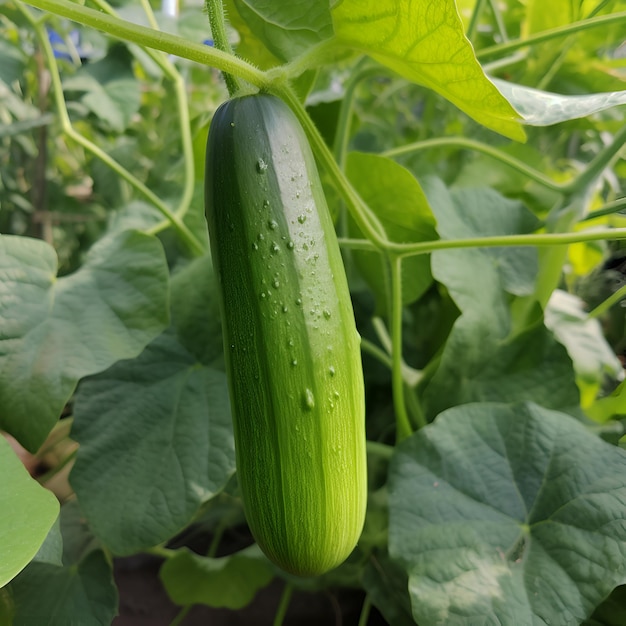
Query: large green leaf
{"points": [[485, 357], [287, 28], [29, 512], [507, 515], [82, 594], [407, 219], [55, 331], [230, 582], [424, 42], [155, 432]]}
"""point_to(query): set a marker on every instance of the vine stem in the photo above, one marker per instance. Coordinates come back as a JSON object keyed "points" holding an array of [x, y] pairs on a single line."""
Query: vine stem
{"points": [[365, 611], [473, 23], [182, 107], [368, 223], [215, 9], [609, 208], [602, 308], [594, 168], [501, 241], [283, 605], [403, 423], [552, 33], [147, 37], [66, 126]]}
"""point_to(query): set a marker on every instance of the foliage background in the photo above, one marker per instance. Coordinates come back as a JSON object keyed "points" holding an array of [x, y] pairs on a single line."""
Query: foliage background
{"points": [[492, 360]]}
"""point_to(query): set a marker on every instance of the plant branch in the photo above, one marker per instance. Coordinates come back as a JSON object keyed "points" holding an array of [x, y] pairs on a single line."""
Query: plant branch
{"points": [[553, 33], [608, 209], [147, 37], [284, 605], [178, 82], [66, 126], [403, 424], [603, 307], [499, 241], [215, 9], [365, 219]]}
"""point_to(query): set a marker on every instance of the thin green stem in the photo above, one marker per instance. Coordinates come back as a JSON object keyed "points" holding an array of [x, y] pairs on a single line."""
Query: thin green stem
{"points": [[553, 33], [608, 209], [603, 307], [342, 133], [215, 9], [147, 9], [499, 241], [373, 350], [147, 37], [365, 611], [66, 126], [182, 614], [475, 18], [382, 450], [471, 144], [576, 184], [403, 424], [599, 162], [162, 552], [217, 537], [314, 57], [283, 605], [368, 223], [182, 106], [497, 16]]}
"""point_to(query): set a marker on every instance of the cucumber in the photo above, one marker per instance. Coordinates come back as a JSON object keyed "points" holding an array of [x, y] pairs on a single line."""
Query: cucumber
{"points": [[291, 346]]}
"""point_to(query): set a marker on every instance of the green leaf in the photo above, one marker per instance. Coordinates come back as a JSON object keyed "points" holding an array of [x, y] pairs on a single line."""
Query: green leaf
{"points": [[110, 88], [196, 312], [592, 356], [507, 515], [228, 582], [424, 42], [287, 28], [155, 442], [173, 436], [250, 47], [33, 510], [407, 219], [485, 357], [83, 594], [13, 63], [55, 331], [542, 108]]}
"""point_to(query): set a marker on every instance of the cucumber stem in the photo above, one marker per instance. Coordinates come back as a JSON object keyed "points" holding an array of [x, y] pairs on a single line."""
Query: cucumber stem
{"points": [[215, 9]]}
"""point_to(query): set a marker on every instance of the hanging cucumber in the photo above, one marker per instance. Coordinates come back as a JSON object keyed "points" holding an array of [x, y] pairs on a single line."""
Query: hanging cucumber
{"points": [[290, 340]]}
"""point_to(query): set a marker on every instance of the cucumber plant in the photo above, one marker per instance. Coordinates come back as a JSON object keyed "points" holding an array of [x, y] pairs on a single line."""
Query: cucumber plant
{"points": [[206, 390]]}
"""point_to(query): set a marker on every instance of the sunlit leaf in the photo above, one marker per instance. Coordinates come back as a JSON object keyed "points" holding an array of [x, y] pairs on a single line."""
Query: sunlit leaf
{"points": [[29, 511], [287, 28], [424, 42]]}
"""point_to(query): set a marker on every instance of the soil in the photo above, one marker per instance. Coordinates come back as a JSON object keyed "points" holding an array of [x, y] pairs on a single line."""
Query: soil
{"points": [[143, 602]]}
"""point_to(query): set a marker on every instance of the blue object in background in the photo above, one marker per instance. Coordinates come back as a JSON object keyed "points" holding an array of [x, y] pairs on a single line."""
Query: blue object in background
{"points": [[59, 45]]}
